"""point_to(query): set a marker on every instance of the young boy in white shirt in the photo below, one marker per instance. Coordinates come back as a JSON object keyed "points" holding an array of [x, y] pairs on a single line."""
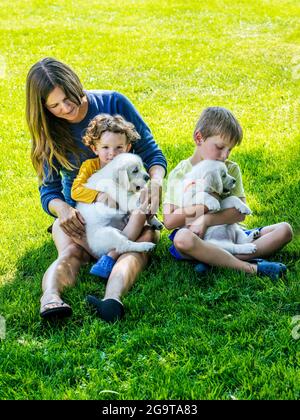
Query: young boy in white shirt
{"points": [[216, 133]]}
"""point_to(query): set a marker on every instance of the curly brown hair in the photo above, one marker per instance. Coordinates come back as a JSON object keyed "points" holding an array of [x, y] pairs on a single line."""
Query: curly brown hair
{"points": [[112, 123]]}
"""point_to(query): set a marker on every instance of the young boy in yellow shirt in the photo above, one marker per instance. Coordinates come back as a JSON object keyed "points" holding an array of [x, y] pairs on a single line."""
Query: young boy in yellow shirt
{"points": [[216, 133], [107, 136]]}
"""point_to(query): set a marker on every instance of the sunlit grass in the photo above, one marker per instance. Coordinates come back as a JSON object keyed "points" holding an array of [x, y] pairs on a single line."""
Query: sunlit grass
{"points": [[220, 337]]}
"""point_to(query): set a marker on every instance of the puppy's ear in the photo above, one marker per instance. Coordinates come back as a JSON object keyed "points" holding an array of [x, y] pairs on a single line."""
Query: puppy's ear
{"points": [[214, 180], [123, 179]]}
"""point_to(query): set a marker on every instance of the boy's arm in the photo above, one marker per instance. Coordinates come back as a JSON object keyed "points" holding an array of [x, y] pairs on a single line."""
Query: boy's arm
{"points": [[79, 192], [223, 217], [174, 216]]}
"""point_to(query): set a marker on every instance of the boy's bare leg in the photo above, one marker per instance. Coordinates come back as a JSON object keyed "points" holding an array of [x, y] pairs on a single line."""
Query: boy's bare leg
{"points": [[191, 245], [132, 230], [272, 238]]}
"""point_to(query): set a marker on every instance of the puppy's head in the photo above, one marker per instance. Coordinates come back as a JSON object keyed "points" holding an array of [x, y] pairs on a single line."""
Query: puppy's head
{"points": [[130, 173], [214, 177]]}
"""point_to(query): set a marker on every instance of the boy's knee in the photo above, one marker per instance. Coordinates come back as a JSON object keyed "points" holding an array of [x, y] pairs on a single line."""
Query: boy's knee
{"points": [[184, 240], [287, 231], [149, 235]]}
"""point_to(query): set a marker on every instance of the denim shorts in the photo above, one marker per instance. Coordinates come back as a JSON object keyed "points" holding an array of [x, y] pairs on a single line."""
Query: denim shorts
{"points": [[178, 256]]}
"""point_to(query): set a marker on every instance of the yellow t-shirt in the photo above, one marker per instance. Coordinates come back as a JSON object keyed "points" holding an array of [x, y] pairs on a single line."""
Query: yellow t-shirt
{"points": [[79, 192], [174, 193]]}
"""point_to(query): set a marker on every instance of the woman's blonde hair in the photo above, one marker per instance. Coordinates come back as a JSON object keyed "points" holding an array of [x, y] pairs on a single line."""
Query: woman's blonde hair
{"points": [[113, 123], [51, 136]]}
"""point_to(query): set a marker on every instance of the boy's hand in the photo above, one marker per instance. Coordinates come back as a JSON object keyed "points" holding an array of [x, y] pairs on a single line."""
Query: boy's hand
{"points": [[199, 226]]}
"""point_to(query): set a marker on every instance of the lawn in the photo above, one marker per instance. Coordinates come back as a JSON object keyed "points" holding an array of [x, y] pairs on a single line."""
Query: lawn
{"points": [[223, 336]]}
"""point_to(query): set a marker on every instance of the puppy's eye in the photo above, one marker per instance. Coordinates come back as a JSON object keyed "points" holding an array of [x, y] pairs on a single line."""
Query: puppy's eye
{"points": [[223, 174], [135, 170]]}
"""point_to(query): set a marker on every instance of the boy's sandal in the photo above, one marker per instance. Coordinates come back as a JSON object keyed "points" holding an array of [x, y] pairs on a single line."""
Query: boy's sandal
{"points": [[202, 268], [273, 270], [103, 267], [110, 310]]}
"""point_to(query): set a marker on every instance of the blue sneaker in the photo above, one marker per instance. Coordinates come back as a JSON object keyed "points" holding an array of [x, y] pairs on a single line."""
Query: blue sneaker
{"points": [[202, 268], [273, 270], [103, 267]]}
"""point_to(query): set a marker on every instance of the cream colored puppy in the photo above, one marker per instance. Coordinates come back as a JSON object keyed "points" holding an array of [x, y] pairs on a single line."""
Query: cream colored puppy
{"points": [[204, 184], [122, 179]]}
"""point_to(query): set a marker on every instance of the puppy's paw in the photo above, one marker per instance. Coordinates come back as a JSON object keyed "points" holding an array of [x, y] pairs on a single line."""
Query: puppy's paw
{"points": [[145, 246], [212, 205], [156, 224], [247, 249], [242, 208]]}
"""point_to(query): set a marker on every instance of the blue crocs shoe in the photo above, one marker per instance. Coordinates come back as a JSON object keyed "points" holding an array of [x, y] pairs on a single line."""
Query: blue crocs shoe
{"points": [[273, 270], [103, 267], [202, 268]]}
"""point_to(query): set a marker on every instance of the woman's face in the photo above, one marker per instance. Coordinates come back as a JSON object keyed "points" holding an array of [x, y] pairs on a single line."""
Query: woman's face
{"points": [[60, 106]]}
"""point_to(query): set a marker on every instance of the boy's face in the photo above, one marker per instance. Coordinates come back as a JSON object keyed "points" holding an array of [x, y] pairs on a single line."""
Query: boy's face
{"points": [[109, 146], [214, 147]]}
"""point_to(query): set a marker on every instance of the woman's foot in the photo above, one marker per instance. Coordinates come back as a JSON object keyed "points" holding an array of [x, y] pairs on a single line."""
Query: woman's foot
{"points": [[110, 310], [53, 307]]}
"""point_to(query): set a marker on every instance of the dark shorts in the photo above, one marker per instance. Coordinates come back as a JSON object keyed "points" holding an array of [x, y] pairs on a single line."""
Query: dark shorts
{"points": [[178, 256]]}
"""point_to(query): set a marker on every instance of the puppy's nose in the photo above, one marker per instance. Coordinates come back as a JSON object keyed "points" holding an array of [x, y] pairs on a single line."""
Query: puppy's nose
{"points": [[146, 177]]}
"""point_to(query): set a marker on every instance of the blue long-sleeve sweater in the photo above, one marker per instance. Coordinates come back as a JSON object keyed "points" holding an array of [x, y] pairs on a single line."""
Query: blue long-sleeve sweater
{"points": [[60, 183]]}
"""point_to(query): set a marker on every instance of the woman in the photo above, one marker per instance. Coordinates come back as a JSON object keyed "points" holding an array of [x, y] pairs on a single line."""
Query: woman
{"points": [[58, 112]]}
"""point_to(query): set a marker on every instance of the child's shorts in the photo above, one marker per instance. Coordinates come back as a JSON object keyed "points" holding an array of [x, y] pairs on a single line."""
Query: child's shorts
{"points": [[178, 256]]}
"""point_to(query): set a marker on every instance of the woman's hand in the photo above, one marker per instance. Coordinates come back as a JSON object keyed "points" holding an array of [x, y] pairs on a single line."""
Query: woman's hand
{"points": [[106, 199], [155, 195], [71, 222], [151, 196]]}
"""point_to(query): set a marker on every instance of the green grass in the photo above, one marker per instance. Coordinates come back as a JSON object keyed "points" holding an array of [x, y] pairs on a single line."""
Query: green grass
{"points": [[223, 336]]}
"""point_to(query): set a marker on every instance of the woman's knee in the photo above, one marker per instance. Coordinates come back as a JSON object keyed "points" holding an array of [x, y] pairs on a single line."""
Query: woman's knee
{"points": [[75, 251], [184, 240]]}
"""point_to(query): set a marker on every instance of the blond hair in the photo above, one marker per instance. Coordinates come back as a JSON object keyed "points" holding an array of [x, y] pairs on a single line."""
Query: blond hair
{"points": [[218, 121]]}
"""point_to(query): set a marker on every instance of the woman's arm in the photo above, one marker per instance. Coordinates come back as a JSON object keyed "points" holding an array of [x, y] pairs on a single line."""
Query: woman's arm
{"points": [[146, 147], [51, 187]]}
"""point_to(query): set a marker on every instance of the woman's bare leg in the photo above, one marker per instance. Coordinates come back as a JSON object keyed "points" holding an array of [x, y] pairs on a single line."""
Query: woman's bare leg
{"points": [[63, 271], [121, 279], [128, 266]]}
